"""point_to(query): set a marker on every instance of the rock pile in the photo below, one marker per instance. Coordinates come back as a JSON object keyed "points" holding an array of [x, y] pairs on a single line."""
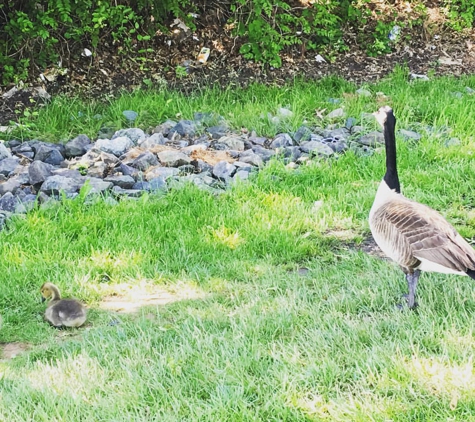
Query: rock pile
{"points": [[129, 162]]}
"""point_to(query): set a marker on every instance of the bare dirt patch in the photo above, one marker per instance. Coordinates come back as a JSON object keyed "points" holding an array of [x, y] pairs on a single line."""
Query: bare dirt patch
{"points": [[10, 350], [128, 299]]}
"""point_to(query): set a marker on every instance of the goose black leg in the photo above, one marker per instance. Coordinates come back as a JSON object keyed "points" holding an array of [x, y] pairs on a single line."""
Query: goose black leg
{"points": [[412, 279]]}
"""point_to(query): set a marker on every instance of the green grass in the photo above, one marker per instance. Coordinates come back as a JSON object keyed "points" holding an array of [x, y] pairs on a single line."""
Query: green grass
{"points": [[261, 341]]}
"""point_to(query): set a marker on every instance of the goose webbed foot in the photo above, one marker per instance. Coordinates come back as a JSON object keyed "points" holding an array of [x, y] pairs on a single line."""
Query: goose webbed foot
{"points": [[412, 279], [405, 304]]}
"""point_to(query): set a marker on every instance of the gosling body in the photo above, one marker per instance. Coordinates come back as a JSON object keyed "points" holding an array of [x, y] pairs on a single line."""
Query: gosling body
{"points": [[62, 312]]}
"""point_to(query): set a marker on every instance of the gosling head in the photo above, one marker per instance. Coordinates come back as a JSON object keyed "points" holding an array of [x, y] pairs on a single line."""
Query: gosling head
{"points": [[49, 291], [382, 114]]}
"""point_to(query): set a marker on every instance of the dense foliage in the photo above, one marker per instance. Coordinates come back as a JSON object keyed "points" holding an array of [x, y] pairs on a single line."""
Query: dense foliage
{"points": [[36, 33]]}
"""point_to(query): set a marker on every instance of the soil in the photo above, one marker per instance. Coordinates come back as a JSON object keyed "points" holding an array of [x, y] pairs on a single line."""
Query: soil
{"points": [[10, 350], [427, 49], [128, 300]]}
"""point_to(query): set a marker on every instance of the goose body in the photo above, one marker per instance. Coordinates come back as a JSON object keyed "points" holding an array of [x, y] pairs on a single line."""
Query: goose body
{"points": [[414, 235], [62, 312]]}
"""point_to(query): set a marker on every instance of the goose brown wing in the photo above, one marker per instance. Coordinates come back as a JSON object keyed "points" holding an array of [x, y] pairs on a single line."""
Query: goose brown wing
{"points": [[429, 235]]}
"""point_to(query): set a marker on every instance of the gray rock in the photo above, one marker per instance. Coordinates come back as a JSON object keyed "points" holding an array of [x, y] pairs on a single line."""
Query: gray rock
{"points": [[372, 139], [410, 135], [336, 144], [241, 175], [173, 158], [217, 132], [155, 139], [316, 137], [284, 113], [258, 140], [193, 148], [28, 201], [165, 127], [224, 170], [250, 157], [158, 184], [317, 148], [49, 154], [98, 170], [355, 130], [178, 143], [145, 160], [53, 185], [131, 193], [9, 202], [184, 128], [219, 146], [11, 185], [77, 146], [264, 153], [39, 172], [186, 169], [8, 165], [243, 166], [109, 159], [281, 140], [116, 146], [97, 185], [293, 153], [340, 133], [24, 149], [71, 173], [127, 170], [141, 185], [202, 166], [125, 182], [336, 114], [362, 92], [302, 135], [451, 142], [350, 122], [4, 152], [130, 115], [22, 176], [163, 172], [134, 134], [232, 142]]}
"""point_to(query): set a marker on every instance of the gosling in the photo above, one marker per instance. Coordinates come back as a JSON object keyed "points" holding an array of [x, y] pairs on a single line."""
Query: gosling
{"points": [[62, 312]]}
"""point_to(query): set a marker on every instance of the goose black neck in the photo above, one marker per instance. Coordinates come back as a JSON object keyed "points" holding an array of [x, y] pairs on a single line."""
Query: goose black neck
{"points": [[391, 177]]}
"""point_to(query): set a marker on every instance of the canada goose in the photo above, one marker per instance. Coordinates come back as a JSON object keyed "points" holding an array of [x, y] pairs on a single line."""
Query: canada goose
{"points": [[413, 235], [62, 312]]}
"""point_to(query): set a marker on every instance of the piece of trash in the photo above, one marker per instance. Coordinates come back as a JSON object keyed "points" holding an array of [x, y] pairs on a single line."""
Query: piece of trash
{"points": [[169, 43], [469, 90], [334, 100], [204, 54], [319, 59], [180, 24], [86, 53], [449, 61], [422, 77], [130, 115], [195, 38], [394, 33]]}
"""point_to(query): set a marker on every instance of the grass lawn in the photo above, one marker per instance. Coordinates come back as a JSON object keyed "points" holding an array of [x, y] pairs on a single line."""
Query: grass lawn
{"points": [[279, 313]]}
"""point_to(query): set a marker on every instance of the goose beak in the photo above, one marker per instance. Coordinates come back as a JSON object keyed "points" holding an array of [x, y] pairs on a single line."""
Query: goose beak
{"points": [[42, 299]]}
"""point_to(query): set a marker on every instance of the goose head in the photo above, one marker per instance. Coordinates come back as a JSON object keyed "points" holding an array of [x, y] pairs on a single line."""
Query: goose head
{"points": [[49, 291]]}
